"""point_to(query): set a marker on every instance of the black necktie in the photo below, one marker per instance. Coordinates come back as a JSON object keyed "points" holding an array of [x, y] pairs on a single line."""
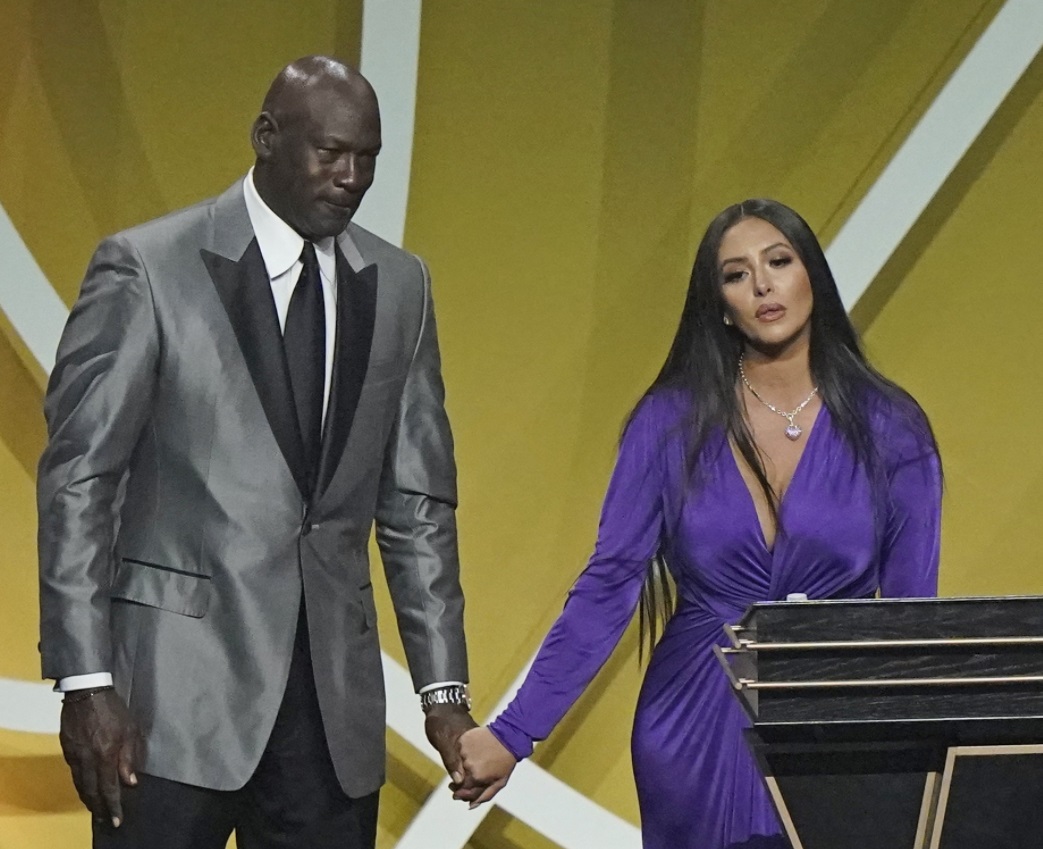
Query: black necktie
{"points": [[304, 338]]}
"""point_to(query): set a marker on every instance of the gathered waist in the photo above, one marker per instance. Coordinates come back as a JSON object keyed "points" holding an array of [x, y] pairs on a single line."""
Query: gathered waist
{"points": [[697, 609]]}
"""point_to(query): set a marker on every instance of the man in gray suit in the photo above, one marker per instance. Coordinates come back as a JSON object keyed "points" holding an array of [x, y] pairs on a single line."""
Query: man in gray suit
{"points": [[242, 389]]}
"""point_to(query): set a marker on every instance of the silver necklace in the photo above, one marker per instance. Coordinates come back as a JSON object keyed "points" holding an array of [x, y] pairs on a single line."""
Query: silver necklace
{"points": [[793, 430]]}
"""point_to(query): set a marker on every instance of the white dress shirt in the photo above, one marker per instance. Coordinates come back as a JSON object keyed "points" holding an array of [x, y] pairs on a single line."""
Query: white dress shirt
{"points": [[281, 248]]}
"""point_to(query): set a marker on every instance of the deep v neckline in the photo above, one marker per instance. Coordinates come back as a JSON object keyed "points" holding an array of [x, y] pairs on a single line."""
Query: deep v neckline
{"points": [[797, 470]]}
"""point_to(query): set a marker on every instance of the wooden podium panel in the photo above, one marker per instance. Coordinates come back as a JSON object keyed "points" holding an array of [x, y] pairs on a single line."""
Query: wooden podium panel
{"points": [[865, 795], [991, 796]]}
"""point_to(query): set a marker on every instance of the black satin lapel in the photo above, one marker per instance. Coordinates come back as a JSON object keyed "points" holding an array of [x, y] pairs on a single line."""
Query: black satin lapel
{"points": [[356, 312], [247, 298]]}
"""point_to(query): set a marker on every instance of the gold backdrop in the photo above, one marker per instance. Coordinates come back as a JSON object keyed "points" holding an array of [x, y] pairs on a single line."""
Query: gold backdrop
{"points": [[567, 156]]}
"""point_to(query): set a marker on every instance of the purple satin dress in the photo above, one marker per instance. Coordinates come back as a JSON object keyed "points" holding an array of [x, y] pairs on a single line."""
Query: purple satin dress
{"points": [[697, 784]]}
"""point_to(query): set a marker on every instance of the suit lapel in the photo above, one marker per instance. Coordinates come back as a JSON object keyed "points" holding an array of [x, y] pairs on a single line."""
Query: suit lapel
{"points": [[244, 290], [356, 312]]}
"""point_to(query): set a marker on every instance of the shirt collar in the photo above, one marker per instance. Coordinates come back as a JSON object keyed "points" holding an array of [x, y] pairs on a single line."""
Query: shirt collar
{"points": [[280, 244]]}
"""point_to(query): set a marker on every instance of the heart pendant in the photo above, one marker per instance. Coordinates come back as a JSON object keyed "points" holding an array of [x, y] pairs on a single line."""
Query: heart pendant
{"points": [[793, 432]]}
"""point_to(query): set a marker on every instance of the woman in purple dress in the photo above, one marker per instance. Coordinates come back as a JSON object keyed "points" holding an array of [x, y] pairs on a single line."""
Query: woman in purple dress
{"points": [[767, 458]]}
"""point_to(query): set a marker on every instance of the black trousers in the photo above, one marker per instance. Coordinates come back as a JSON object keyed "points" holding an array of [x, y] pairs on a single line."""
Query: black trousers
{"points": [[292, 801]]}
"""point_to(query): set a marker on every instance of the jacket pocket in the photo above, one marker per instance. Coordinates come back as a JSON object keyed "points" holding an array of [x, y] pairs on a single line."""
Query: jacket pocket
{"points": [[369, 606], [162, 587]]}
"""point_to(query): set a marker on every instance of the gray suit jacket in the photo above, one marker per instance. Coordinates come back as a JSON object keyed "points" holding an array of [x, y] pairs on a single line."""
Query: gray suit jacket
{"points": [[175, 535]]}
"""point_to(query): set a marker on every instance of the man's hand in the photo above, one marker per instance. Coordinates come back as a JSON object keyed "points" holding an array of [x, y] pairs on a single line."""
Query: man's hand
{"points": [[487, 764], [444, 725], [103, 747]]}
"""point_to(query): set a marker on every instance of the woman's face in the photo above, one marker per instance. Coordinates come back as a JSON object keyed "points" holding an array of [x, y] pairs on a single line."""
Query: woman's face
{"points": [[766, 289]]}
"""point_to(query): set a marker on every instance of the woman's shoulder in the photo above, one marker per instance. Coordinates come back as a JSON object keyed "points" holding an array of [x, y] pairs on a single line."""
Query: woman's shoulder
{"points": [[899, 424], [661, 409], [653, 438], [658, 423]]}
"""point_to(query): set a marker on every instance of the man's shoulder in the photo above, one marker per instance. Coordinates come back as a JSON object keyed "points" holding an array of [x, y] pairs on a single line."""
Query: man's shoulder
{"points": [[177, 223], [375, 249], [368, 239]]}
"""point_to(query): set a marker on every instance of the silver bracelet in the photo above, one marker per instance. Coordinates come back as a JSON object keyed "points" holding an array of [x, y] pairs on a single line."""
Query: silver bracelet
{"points": [[454, 694]]}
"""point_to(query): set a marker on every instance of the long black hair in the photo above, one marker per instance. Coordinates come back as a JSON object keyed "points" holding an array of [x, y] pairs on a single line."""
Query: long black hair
{"points": [[704, 362]]}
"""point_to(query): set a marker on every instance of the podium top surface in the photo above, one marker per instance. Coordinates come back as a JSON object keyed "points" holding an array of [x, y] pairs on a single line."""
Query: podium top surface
{"points": [[894, 619]]}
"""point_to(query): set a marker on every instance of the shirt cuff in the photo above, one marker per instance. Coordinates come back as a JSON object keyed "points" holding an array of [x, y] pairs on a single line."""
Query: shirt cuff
{"points": [[438, 685], [82, 682]]}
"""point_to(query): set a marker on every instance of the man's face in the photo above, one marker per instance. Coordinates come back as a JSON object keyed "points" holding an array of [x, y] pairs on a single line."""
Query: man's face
{"points": [[317, 158]]}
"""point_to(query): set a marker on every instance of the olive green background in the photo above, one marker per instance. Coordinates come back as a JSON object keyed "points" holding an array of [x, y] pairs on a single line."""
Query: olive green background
{"points": [[567, 155]]}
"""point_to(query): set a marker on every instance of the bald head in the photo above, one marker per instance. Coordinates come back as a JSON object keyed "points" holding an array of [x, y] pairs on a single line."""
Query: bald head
{"points": [[316, 142], [293, 83]]}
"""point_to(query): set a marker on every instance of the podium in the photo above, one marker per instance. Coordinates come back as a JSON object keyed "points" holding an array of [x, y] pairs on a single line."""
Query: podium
{"points": [[897, 723]]}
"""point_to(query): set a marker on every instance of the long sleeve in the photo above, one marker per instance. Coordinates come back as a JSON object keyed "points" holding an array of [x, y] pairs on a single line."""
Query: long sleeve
{"points": [[416, 519], [97, 402], [912, 534], [604, 597]]}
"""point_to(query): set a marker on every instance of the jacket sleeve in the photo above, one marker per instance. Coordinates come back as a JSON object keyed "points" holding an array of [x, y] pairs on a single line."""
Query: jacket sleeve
{"points": [[97, 403], [416, 518]]}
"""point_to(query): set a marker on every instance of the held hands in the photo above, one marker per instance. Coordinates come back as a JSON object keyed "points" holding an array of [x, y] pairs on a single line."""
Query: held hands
{"points": [[444, 725], [487, 765], [103, 747]]}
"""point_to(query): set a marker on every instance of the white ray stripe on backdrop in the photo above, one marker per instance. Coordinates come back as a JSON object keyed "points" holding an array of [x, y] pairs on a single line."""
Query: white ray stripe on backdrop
{"points": [[935, 146], [27, 297], [390, 59], [390, 52]]}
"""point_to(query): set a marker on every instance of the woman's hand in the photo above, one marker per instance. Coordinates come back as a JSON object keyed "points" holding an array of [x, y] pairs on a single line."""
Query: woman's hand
{"points": [[486, 762]]}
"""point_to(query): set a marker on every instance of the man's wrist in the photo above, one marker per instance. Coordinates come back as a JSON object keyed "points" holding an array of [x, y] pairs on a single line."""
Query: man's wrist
{"points": [[74, 697]]}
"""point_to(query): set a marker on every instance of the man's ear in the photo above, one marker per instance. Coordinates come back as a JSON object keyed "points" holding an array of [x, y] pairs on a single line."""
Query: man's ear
{"points": [[262, 135]]}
